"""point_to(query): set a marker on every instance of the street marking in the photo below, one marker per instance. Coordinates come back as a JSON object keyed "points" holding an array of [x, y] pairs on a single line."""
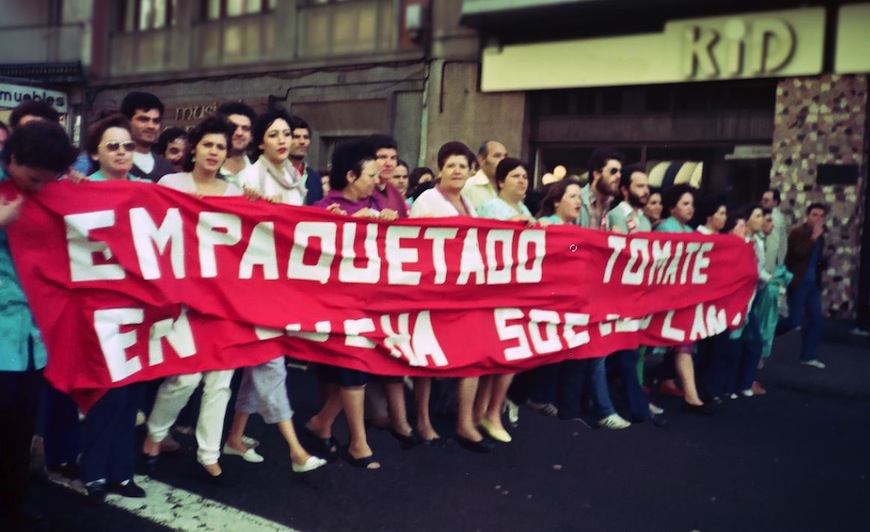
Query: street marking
{"points": [[185, 511]]}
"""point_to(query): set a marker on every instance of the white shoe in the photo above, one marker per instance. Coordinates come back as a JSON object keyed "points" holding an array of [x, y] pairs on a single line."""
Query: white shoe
{"points": [[311, 464], [248, 456], [733, 396], [747, 393], [250, 442], [814, 363], [613, 422], [656, 410], [513, 412]]}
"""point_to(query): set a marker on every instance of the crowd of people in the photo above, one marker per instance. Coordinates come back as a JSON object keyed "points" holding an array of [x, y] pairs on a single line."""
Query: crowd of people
{"points": [[237, 152]]}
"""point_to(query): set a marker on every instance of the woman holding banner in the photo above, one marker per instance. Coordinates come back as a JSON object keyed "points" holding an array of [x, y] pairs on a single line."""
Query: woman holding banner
{"points": [[352, 182], [108, 459], [512, 181], [206, 154], [679, 202], [443, 200], [264, 387]]}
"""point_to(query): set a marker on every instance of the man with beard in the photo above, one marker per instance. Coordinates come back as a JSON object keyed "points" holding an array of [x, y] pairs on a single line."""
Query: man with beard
{"points": [[300, 141], [628, 217], [241, 117], [145, 112], [587, 377], [605, 171]]}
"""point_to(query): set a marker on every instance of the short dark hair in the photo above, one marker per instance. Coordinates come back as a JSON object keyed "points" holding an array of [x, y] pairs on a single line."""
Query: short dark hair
{"points": [[735, 214], [37, 108], [776, 196], [416, 174], [406, 165], [40, 144], [96, 130], [817, 205], [625, 178], [555, 193], [237, 108], [766, 210], [349, 157], [144, 101], [297, 122], [506, 166], [451, 148], [483, 149], [211, 124], [262, 123], [708, 206], [671, 196], [599, 158], [168, 136], [380, 142]]}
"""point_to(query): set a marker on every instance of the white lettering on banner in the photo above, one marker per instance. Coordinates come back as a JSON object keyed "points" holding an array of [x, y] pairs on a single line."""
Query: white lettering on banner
{"points": [[215, 229], [82, 249], [416, 347], [656, 258], [709, 323], [347, 272], [614, 323], [146, 235], [260, 252], [526, 327], [325, 233], [672, 333], [471, 261], [439, 235], [177, 332], [397, 256], [533, 273], [114, 343], [499, 238]]}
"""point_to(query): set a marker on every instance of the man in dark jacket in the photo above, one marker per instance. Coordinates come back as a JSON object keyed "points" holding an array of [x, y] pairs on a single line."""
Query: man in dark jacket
{"points": [[806, 260]]}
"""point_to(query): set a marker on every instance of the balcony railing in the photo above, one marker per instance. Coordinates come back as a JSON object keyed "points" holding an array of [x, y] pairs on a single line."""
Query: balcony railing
{"points": [[345, 28], [44, 44]]}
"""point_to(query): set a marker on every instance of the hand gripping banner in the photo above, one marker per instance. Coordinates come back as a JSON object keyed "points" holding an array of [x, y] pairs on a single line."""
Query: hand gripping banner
{"points": [[131, 281]]}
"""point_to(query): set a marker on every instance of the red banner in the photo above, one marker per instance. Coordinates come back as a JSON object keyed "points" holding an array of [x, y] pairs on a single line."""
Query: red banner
{"points": [[131, 281]]}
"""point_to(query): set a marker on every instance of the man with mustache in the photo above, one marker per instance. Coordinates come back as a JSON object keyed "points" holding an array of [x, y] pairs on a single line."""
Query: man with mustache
{"points": [[628, 217], [145, 112]]}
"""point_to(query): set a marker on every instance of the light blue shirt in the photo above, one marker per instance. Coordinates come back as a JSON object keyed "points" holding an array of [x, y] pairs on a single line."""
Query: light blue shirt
{"points": [[499, 209], [17, 329], [672, 225]]}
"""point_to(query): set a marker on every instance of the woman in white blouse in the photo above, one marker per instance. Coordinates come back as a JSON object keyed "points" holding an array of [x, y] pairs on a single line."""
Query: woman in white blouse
{"points": [[208, 143], [273, 176]]}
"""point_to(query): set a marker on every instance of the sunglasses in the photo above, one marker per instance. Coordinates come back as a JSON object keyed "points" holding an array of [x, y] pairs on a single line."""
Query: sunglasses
{"points": [[114, 145], [614, 171]]}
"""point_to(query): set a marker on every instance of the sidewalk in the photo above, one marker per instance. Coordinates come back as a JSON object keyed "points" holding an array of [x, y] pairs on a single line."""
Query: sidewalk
{"points": [[847, 357]]}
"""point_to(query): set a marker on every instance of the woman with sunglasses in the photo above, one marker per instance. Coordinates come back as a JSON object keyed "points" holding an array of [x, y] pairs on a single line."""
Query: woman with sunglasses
{"points": [[207, 151], [108, 457]]}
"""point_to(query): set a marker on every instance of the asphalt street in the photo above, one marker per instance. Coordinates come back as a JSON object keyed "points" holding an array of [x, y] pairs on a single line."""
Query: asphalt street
{"points": [[794, 459]]}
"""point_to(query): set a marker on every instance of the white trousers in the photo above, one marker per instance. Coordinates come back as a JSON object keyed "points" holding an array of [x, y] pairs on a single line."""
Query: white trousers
{"points": [[175, 392]]}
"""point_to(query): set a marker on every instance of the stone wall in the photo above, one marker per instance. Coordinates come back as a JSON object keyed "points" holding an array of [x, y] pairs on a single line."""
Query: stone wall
{"points": [[822, 120]]}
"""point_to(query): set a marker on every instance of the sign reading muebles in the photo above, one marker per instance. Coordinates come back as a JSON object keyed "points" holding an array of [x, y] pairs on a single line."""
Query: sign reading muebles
{"points": [[753, 45], [132, 281], [12, 95]]}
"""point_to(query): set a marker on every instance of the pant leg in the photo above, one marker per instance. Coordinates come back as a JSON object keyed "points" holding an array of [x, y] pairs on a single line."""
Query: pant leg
{"points": [[171, 398], [210, 425], [751, 352], [795, 297], [99, 434], [812, 329], [543, 382], [122, 461], [19, 402], [62, 432], [572, 382], [638, 401], [718, 370], [596, 379]]}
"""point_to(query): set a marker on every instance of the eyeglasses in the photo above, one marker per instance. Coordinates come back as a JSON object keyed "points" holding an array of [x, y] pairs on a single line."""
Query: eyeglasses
{"points": [[114, 145], [614, 170]]}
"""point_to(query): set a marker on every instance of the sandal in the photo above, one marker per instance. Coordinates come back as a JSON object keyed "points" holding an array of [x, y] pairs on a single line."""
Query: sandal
{"points": [[322, 447], [366, 462]]}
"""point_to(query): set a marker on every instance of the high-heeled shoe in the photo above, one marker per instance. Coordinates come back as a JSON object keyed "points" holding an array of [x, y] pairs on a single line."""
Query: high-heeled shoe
{"points": [[499, 435], [405, 442]]}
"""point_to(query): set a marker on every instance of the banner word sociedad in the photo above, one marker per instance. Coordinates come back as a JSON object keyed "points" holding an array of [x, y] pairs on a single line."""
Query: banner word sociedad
{"points": [[131, 281]]}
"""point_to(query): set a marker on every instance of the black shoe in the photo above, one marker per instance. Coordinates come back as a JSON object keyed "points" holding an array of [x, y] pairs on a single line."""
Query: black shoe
{"points": [[483, 446], [405, 442], [130, 489], [655, 420], [96, 493], [705, 409]]}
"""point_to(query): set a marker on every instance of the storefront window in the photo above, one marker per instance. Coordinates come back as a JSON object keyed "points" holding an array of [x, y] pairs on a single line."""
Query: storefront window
{"points": [[217, 9]]}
